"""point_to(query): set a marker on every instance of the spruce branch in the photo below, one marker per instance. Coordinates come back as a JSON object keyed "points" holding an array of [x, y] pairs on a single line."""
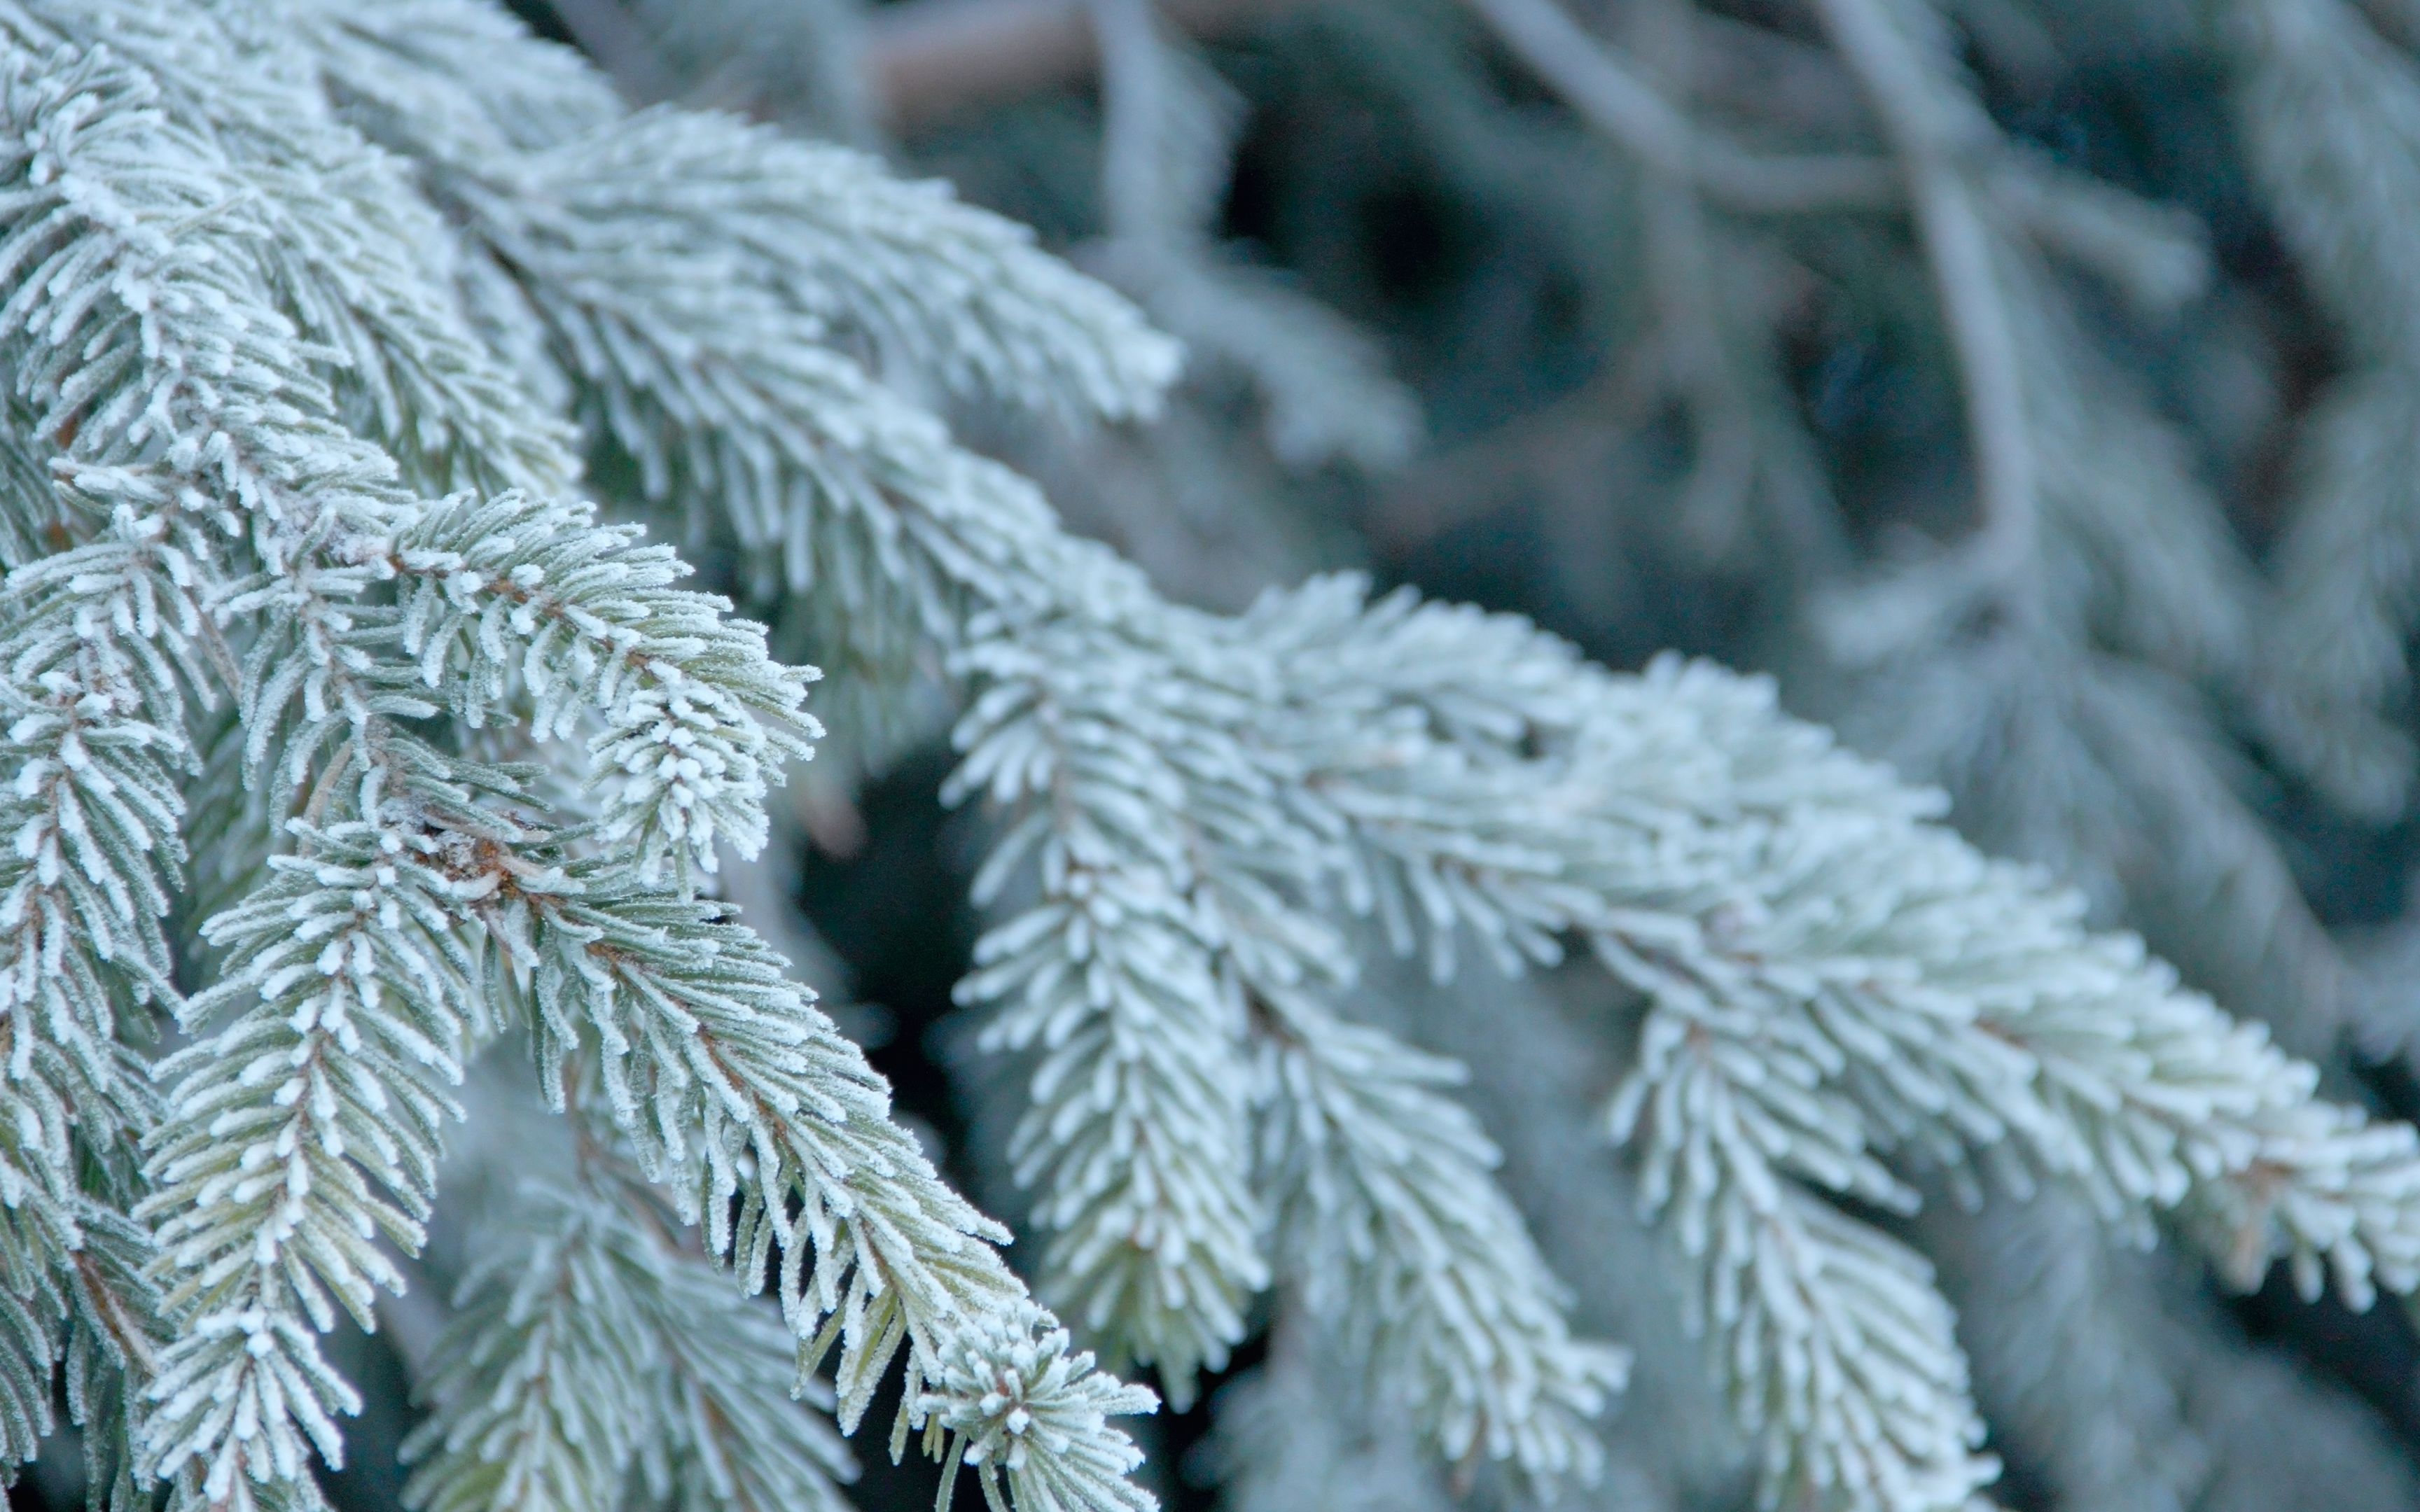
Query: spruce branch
{"points": [[94, 704], [769, 1128], [596, 1350], [731, 1437], [1942, 990], [352, 1002], [94, 692], [92, 684], [1612, 96], [1168, 136], [940, 574], [449, 83], [340, 228], [1164, 891], [544, 1375], [2328, 116], [1398, 1239], [351, 985], [1933, 134], [1504, 879], [224, 485], [1299, 1433], [710, 370], [515, 594], [827, 234], [1840, 1354], [1115, 974], [2098, 1068]]}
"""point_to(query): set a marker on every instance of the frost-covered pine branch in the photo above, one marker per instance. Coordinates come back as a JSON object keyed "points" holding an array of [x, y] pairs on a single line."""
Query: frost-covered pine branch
{"points": [[590, 1348], [273, 556], [1169, 136], [1298, 1433], [2121, 1389], [2328, 114], [1403, 1246], [322, 318]]}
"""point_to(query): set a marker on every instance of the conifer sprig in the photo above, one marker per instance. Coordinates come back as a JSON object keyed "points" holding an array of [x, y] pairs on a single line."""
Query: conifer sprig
{"points": [[304, 1125], [290, 413]]}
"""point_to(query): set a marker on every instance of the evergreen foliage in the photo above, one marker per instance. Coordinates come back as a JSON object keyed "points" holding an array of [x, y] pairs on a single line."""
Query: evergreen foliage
{"points": [[360, 740]]}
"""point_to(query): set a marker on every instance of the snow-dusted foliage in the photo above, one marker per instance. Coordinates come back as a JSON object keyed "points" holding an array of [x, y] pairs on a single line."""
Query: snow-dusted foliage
{"points": [[236, 417], [2333, 124], [321, 324]]}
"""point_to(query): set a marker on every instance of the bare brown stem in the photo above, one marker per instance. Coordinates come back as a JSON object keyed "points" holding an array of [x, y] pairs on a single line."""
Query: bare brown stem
{"points": [[933, 59]]}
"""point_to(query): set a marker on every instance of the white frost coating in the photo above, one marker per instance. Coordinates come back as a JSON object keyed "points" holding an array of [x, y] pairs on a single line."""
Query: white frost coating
{"points": [[221, 527], [255, 452]]}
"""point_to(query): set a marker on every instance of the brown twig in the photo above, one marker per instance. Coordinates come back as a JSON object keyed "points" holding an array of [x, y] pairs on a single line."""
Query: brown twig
{"points": [[124, 1327], [933, 59]]}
